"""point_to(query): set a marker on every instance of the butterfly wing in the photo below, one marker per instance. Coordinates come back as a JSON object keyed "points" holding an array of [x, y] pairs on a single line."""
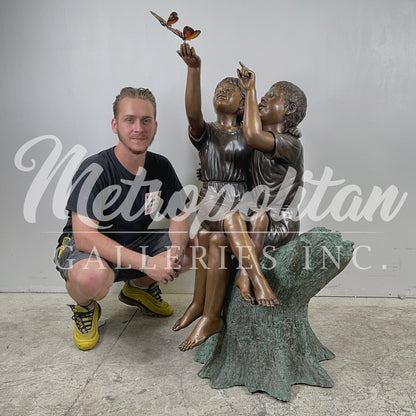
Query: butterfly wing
{"points": [[176, 32], [172, 19], [161, 21], [189, 33]]}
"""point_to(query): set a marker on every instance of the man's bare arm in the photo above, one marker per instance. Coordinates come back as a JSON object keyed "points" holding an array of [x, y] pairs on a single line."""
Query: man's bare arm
{"points": [[89, 239]]}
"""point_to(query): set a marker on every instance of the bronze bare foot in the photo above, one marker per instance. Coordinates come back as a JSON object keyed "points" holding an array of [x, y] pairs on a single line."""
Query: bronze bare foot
{"points": [[244, 284], [263, 293], [192, 312], [202, 331]]}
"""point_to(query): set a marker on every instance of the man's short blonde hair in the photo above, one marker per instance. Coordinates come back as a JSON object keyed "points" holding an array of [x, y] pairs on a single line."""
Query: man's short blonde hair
{"points": [[130, 92]]}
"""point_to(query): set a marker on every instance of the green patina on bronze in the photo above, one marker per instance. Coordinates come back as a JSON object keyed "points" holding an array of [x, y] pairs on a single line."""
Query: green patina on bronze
{"points": [[270, 349]]}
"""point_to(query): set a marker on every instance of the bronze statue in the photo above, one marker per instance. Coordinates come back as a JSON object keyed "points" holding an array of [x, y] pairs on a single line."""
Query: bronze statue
{"points": [[225, 158], [278, 342], [271, 129]]}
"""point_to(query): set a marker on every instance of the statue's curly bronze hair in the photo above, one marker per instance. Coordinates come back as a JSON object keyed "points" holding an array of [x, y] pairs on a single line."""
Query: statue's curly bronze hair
{"points": [[293, 95]]}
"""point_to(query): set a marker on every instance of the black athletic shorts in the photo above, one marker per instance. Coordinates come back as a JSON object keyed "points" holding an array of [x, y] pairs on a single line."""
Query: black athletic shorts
{"points": [[151, 242]]}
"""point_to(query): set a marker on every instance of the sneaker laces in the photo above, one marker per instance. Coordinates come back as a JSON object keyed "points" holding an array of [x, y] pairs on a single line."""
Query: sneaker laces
{"points": [[154, 291], [83, 320]]}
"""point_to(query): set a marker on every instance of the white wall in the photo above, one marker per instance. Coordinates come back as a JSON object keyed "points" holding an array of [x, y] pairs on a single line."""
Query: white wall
{"points": [[63, 62]]}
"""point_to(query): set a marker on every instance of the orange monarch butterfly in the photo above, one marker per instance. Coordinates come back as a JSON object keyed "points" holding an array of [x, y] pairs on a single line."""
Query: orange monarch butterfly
{"points": [[187, 34], [173, 18]]}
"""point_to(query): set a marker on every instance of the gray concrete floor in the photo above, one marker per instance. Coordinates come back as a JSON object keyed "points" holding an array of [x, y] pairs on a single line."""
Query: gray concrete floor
{"points": [[136, 368]]}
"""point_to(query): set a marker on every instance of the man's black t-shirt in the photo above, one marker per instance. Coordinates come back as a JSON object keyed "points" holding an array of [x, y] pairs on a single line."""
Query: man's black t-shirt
{"points": [[122, 203]]}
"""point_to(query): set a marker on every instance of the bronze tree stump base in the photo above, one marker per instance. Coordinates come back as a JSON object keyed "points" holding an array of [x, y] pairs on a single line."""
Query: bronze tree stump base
{"points": [[270, 349]]}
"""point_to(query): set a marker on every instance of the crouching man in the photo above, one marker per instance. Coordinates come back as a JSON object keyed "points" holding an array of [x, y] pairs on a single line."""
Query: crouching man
{"points": [[114, 198]]}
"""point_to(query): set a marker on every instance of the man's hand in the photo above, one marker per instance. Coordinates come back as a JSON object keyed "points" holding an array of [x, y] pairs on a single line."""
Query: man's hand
{"points": [[188, 54], [176, 254], [161, 267], [247, 77]]}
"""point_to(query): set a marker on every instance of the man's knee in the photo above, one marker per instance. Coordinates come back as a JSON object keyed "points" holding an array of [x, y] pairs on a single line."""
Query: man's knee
{"points": [[90, 275]]}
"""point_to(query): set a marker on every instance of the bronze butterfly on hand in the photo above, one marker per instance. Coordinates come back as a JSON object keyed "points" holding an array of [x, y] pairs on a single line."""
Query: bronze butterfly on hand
{"points": [[187, 34]]}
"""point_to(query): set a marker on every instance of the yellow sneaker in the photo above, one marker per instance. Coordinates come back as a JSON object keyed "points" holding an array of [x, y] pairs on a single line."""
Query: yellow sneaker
{"points": [[148, 299], [86, 325]]}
